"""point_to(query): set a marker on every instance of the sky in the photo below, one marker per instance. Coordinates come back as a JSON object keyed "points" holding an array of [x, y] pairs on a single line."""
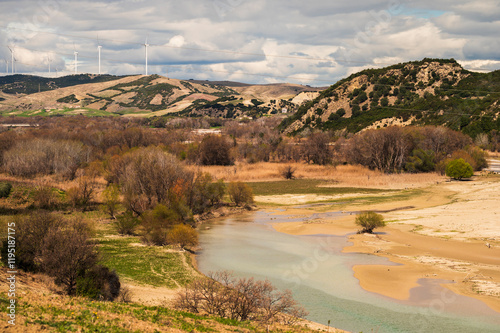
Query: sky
{"points": [[315, 42]]}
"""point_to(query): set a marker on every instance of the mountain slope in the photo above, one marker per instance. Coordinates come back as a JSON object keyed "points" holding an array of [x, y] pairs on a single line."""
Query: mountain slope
{"points": [[149, 95], [431, 92]]}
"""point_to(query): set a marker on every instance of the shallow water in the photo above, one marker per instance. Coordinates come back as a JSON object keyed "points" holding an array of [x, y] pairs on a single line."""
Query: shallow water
{"points": [[322, 280]]}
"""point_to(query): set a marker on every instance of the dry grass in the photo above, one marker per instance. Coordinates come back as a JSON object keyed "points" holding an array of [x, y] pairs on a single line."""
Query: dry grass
{"points": [[343, 175]]}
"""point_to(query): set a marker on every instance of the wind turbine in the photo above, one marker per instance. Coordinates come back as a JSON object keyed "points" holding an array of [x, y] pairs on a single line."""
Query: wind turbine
{"points": [[50, 61], [76, 62], [146, 48], [99, 47], [6, 66], [12, 61]]}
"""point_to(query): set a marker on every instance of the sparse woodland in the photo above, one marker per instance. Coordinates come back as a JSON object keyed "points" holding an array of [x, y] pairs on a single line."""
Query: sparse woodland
{"points": [[143, 177]]}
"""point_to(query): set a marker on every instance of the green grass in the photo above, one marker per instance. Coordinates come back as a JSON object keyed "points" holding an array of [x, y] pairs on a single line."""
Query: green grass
{"points": [[305, 186], [149, 265], [57, 313]]}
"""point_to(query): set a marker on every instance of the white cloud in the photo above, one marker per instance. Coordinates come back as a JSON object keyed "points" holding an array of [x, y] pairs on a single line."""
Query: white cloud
{"points": [[341, 36]]}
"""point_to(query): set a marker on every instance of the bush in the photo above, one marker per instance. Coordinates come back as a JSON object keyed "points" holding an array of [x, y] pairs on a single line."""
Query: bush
{"points": [[151, 176], [183, 235], [45, 197], [215, 150], [205, 193], [45, 156], [157, 223], [111, 200], [99, 283], [240, 193], [288, 172], [222, 295], [126, 224], [5, 189], [459, 169], [369, 221], [58, 247]]}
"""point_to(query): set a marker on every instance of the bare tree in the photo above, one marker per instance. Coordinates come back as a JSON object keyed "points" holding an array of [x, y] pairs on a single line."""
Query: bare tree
{"points": [[223, 295]]}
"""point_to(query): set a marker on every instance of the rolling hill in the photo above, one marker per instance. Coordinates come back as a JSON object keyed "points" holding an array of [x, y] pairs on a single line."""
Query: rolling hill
{"points": [[427, 92], [152, 95]]}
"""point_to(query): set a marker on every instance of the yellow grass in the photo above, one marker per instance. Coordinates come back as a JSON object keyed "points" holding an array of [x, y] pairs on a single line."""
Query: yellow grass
{"points": [[343, 175]]}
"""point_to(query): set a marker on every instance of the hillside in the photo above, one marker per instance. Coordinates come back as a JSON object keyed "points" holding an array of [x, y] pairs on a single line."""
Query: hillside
{"points": [[145, 96], [29, 84], [427, 92]]}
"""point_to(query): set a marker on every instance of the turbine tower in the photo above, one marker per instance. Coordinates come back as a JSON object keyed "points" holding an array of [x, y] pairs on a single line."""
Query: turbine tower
{"points": [[146, 48], [12, 61], [76, 62], [99, 47], [50, 61]]}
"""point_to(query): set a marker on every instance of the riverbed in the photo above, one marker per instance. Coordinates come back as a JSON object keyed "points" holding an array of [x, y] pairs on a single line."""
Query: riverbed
{"points": [[321, 279]]}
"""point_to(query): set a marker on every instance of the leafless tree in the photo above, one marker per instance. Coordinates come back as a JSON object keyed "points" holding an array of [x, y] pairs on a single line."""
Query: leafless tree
{"points": [[222, 295]]}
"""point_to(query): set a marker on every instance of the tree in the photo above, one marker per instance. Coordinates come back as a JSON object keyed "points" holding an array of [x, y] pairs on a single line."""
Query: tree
{"points": [[111, 199], [151, 176], [459, 169], [215, 150], [369, 221], [183, 235], [240, 193], [222, 295], [317, 149], [67, 253]]}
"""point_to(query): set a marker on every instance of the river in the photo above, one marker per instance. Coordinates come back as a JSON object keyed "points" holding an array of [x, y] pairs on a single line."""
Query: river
{"points": [[321, 279]]}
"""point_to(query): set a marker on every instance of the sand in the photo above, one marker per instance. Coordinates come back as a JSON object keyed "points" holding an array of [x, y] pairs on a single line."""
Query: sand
{"points": [[451, 233]]}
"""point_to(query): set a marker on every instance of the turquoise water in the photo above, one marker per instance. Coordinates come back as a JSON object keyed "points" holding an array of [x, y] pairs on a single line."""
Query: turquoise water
{"points": [[322, 280]]}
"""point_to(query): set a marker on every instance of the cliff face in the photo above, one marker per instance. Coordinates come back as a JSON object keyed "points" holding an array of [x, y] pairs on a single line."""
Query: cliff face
{"points": [[431, 91]]}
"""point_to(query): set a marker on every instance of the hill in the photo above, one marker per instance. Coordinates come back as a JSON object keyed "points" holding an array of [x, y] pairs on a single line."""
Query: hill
{"points": [[152, 95], [29, 84], [427, 92]]}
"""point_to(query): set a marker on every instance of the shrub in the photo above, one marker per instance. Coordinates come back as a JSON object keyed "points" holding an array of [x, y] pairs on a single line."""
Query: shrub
{"points": [[82, 195], [183, 235], [215, 150], [288, 172], [157, 223], [111, 199], [369, 221], [205, 193], [45, 197], [126, 224], [151, 176], [67, 253], [459, 169], [5, 189], [30, 233], [421, 161], [45, 156], [222, 295], [99, 283], [240, 193]]}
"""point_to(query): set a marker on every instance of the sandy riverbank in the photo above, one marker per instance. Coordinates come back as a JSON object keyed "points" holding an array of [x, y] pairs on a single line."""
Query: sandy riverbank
{"points": [[444, 236]]}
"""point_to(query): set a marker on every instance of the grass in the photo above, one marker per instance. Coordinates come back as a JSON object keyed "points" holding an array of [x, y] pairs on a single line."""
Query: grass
{"points": [[38, 309], [147, 265], [304, 186]]}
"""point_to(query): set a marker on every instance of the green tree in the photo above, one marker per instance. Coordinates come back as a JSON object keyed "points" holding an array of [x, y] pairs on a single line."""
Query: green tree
{"points": [[459, 169], [369, 221], [183, 235], [240, 193]]}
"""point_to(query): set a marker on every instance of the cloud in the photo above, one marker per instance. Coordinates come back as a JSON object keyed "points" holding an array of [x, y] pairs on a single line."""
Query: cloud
{"points": [[258, 41]]}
